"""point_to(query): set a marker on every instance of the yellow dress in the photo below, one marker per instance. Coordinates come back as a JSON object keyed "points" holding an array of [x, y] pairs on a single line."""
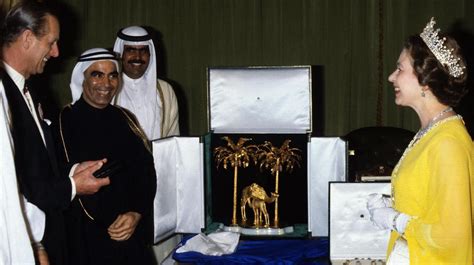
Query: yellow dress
{"points": [[433, 183]]}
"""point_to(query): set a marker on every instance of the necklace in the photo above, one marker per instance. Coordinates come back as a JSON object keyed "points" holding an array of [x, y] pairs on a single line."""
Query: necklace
{"points": [[423, 131], [414, 141]]}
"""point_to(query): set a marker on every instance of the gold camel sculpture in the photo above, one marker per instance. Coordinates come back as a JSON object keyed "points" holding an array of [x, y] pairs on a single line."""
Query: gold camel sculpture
{"points": [[256, 197]]}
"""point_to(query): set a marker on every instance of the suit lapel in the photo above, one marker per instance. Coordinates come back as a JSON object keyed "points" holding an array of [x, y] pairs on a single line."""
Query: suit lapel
{"points": [[24, 125], [50, 146]]}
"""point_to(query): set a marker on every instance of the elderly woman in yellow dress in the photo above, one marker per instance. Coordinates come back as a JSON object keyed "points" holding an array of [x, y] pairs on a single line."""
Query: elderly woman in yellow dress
{"points": [[430, 211]]}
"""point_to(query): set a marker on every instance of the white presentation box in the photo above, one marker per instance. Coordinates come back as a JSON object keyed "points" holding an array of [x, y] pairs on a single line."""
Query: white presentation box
{"points": [[353, 239], [265, 104]]}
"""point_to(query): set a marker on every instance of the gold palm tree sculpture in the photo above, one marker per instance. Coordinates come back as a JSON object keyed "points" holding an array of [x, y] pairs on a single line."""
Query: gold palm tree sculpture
{"points": [[237, 155], [276, 159]]}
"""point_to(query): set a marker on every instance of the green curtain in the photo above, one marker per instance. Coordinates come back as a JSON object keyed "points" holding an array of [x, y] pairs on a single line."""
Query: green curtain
{"points": [[343, 38]]}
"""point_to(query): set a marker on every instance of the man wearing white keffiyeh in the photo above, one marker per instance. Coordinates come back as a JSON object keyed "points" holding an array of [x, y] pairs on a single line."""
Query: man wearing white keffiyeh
{"points": [[113, 226], [152, 100]]}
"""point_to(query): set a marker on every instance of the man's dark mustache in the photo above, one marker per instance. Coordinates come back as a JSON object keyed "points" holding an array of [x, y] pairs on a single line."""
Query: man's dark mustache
{"points": [[136, 61]]}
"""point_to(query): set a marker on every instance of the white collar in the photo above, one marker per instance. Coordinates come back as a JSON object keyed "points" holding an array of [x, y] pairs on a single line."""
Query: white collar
{"points": [[17, 78]]}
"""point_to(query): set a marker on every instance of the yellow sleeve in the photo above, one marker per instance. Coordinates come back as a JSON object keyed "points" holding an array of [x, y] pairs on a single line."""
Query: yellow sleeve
{"points": [[445, 223]]}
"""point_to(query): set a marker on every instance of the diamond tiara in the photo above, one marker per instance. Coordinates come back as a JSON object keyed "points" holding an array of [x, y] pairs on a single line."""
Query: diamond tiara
{"points": [[440, 51]]}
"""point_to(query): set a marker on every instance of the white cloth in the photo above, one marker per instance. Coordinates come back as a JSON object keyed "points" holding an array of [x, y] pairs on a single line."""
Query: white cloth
{"points": [[157, 114], [35, 217], [15, 245], [77, 78], [214, 244]]}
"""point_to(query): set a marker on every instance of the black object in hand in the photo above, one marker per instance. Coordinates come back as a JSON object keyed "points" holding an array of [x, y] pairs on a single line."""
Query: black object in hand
{"points": [[108, 169]]}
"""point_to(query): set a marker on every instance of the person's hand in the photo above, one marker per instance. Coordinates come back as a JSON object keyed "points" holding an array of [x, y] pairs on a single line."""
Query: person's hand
{"points": [[84, 165], [378, 200], [124, 226], [41, 257], [383, 217], [85, 182], [389, 218]]}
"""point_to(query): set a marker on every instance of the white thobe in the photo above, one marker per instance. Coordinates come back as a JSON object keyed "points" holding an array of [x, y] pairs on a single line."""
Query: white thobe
{"points": [[157, 113]]}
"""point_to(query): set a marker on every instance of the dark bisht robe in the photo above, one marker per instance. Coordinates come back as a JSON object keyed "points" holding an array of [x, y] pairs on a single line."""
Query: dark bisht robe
{"points": [[88, 133]]}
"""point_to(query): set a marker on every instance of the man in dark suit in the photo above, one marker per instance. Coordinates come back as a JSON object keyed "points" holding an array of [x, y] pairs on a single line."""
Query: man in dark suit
{"points": [[29, 37]]}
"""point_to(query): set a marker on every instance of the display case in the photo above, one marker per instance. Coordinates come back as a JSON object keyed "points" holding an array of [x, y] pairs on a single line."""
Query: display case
{"points": [[249, 106]]}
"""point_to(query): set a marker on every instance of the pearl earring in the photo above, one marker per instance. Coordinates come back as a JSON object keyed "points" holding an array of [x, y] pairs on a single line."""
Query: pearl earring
{"points": [[423, 93]]}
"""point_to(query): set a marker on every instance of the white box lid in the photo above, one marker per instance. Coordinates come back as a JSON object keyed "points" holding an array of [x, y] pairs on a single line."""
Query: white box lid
{"points": [[267, 99]]}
